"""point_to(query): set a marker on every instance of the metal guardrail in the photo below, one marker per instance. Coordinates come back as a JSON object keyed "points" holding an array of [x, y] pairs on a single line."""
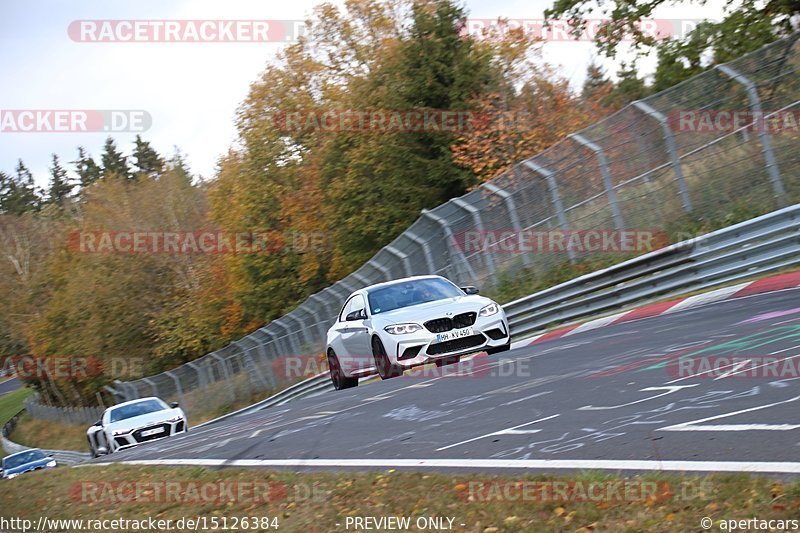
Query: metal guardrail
{"points": [[759, 246], [308, 387], [62, 457], [639, 168]]}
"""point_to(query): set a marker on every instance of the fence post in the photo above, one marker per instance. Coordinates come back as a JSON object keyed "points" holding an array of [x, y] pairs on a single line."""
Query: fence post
{"points": [[302, 330], [383, 269], [402, 257], [177, 386], [763, 134], [672, 150], [555, 197], [426, 250], [152, 385], [288, 339], [448, 235], [251, 362], [619, 222], [512, 213], [361, 279], [476, 219], [226, 374]]}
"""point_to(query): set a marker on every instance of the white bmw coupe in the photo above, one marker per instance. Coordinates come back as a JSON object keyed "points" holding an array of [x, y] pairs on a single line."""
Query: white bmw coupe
{"points": [[396, 325]]}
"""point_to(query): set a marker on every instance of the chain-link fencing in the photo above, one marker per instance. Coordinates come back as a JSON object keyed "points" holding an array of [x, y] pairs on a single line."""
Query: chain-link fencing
{"points": [[719, 143]]}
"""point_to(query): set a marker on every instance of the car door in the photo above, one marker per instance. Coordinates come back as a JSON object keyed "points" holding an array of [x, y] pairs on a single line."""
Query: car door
{"points": [[339, 330], [356, 338]]}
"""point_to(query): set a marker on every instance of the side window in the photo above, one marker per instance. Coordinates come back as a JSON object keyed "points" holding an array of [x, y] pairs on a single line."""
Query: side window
{"points": [[346, 308], [358, 304]]}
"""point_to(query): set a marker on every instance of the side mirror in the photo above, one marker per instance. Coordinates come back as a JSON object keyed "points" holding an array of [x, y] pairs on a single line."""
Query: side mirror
{"points": [[361, 314], [102, 450], [469, 289], [173, 405]]}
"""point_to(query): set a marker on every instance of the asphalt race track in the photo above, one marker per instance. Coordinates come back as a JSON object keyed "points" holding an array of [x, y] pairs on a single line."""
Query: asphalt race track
{"points": [[9, 385], [713, 388]]}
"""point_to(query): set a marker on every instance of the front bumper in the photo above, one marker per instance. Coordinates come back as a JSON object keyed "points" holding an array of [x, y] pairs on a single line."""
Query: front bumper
{"points": [[136, 436], [422, 347]]}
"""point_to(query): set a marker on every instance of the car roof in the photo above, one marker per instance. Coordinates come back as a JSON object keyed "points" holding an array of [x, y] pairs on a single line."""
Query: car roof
{"points": [[400, 280], [23, 451], [130, 402]]}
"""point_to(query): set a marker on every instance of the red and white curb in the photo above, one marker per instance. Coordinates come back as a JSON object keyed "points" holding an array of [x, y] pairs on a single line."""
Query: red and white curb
{"points": [[768, 284]]}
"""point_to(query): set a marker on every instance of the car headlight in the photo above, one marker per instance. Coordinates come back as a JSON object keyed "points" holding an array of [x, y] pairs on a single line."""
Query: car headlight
{"points": [[174, 419], [489, 310], [402, 329], [51, 463], [121, 432]]}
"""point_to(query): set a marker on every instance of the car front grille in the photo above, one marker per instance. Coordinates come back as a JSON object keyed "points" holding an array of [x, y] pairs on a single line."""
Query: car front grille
{"points": [[440, 325], [456, 345], [137, 435]]}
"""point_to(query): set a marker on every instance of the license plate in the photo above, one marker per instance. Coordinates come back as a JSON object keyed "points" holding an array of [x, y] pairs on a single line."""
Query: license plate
{"points": [[454, 334], [155, 431]]}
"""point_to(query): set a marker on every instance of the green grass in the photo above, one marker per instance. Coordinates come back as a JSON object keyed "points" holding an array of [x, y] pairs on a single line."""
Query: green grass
{"points": [[11, 404], [318, 501]]}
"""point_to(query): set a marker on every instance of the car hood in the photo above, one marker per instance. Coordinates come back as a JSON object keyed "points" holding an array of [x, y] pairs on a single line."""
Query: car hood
{"points": [[146, 419], [39, 463], [429, 310]]}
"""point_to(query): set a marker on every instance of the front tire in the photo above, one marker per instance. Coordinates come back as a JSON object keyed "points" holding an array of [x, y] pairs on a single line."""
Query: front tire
{"points": [[386, 369], [339, 380], [498, 349]]}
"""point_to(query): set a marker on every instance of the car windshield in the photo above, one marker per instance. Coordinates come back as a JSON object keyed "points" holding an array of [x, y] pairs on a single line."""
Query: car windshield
{"points": [[136, 409], [13, 461], [408, 293]]}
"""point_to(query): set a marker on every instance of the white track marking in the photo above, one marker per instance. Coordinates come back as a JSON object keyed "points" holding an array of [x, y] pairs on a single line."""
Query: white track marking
{"points": [[576, 464], [669, 390], [707, 297], [512, 402], [509, 431], [693, 424], [596, 323]]}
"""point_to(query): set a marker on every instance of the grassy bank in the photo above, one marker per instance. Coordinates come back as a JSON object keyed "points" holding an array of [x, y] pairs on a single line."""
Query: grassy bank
{"points": [[320, 501]]}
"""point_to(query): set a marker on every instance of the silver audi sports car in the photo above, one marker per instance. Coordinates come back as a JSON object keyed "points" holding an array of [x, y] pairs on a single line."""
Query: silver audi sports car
{"points": [[396, 325], [131, 423]]}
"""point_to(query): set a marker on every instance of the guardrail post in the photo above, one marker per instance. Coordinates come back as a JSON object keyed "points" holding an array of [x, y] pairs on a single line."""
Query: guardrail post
{"points": [[177, 386], [555, 197], [763, 135], [512, 213], [619, 222], [403, 257], [426, 250], [450, 239], [476, 219], [672, 150]]}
